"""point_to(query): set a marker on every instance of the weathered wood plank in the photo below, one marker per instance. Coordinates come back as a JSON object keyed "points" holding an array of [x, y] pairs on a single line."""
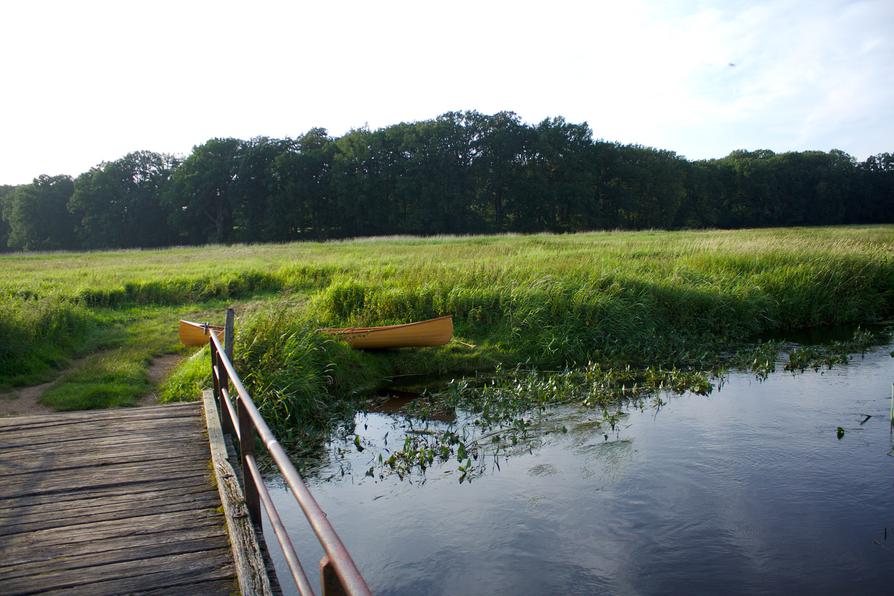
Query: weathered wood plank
{"points": [[67, 435], [89, 419], [95, 418], [208, 587], [111, 502], [115, 578], [120, 430], [103, 443], [91, 425], [70, 520], [50, 552], [69, 480], [134, 526], [121, 555], [167, 410], [100, 494], [86, 440], [51, 462], [170, 584], [17, 458], [86, 506], [116, 468]]}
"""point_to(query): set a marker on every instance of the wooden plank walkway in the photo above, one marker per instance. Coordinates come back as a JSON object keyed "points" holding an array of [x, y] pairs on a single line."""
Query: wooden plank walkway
{"points": [[111, 501]]}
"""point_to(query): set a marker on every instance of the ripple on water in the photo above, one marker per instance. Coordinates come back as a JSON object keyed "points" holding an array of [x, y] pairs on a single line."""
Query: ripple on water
{"points": [[748, 490]]}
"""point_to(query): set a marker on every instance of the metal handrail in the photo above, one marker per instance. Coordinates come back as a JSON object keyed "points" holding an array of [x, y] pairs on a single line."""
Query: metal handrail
{"points": [[338, 572]]}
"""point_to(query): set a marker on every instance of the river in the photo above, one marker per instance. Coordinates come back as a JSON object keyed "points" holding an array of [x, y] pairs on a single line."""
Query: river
{"points": [[746, 490]]}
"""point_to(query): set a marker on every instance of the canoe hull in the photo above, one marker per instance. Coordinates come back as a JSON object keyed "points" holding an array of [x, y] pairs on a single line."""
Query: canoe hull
{"points": [[196, 334], [434, 332]]}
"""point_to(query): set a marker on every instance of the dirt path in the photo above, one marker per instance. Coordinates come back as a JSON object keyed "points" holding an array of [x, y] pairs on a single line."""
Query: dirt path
{"points": [[159, 370], [24, 401]]}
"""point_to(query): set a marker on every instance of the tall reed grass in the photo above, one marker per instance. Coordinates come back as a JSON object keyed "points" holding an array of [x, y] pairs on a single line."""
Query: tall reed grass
{"points": [[38, 334], [641, 298]]}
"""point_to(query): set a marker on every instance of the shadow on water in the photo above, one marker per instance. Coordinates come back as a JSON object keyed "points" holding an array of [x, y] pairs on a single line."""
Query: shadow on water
{"points": [[397, 402], [748, 489], [824, 335]]}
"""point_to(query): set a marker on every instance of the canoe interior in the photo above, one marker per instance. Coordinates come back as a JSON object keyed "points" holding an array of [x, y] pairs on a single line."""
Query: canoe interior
{"points": [[433, 332], [196, 334]]}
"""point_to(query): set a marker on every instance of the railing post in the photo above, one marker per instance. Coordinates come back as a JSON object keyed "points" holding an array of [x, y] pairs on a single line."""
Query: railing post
{"points": [[228, 334], [247, 448], [225, 422], [222, 383], [329, 581], [215, 386]]}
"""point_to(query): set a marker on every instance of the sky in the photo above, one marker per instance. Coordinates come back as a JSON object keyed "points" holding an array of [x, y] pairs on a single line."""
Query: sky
{"points": [[88, 81]]}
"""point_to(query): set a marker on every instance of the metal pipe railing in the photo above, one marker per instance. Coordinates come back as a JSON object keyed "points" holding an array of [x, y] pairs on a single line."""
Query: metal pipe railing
{"points": [[279, 529], [244, 422]]}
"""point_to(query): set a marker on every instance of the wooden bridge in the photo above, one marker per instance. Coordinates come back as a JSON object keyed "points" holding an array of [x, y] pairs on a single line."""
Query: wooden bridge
{"points": [[147, 500], [110, 502]]}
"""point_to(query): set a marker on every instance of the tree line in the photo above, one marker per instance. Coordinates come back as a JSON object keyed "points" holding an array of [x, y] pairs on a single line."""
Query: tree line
{"points": [[459, 173]]}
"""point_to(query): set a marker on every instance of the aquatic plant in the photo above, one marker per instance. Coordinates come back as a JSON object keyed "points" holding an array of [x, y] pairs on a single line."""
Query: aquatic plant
{"points": [[837, 352], [504, 410]]}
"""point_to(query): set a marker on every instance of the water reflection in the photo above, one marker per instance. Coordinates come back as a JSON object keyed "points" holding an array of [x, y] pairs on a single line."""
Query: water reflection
{"points": [[748, 490]]}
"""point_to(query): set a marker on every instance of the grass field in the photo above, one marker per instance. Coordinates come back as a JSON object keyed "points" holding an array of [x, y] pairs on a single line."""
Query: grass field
{"points": [[684, 299]]}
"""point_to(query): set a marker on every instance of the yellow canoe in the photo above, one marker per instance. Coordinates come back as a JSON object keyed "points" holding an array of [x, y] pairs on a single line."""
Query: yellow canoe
{"points": [[196, 334], [434, 332]]}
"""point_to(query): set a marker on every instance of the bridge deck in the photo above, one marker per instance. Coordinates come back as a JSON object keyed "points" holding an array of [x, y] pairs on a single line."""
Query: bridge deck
{"points": [[111, 501]]}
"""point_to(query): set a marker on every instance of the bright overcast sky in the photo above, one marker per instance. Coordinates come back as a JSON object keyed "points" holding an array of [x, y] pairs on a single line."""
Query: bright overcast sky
{"points": [[87, 81]]}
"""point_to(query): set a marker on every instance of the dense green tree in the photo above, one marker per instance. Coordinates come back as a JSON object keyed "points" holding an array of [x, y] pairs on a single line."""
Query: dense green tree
{"points": [[118, 203], [500, 153], [875, 199], [756, 197], [453, 136], [435, 176], [705, 192], [253, 187], [368, 167], [200, 197], [301, 204], [5, 191], [648, 187], [559, 178], [357, 170], [462, 172], [37, 214]]}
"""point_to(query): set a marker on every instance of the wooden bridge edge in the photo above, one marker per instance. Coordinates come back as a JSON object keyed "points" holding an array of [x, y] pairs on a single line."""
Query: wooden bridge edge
{"points": [[251, 571]]}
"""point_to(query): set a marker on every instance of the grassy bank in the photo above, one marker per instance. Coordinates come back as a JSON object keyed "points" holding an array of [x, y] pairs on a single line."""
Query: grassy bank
{"points": [[683, 299]]}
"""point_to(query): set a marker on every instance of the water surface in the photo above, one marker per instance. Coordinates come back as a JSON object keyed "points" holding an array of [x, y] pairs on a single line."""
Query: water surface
{"points": [[748, 490]]}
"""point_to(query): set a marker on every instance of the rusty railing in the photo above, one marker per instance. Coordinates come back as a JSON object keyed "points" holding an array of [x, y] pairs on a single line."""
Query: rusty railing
{"points": [[239, 417]]}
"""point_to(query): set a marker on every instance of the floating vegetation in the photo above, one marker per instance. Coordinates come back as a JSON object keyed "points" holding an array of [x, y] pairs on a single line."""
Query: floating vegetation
{"points": [[763, 357], [835, 353], [511, 408], [761, 360]]}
